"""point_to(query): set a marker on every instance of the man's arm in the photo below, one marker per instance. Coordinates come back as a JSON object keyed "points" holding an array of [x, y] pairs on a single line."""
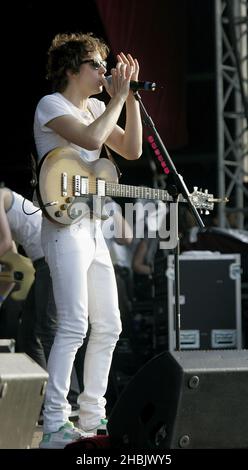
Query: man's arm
{"points": [[124, 231], [139, 265], [128, 142], [5, 233]]}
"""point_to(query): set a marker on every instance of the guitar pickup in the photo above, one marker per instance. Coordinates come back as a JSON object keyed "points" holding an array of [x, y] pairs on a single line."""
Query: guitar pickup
{"points": [[64, 184], [100, 187], [76, 182], [84, 185]]}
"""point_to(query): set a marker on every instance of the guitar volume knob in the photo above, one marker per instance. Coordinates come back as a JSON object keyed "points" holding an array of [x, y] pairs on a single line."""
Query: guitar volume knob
{"points": [[58, 214], [64, 207]]}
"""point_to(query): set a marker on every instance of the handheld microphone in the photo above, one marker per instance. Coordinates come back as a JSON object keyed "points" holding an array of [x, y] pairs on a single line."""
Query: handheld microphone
{"points": [[135, 86]]}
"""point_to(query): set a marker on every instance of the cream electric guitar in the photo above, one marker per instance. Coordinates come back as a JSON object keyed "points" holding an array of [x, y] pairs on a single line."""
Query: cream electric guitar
{"points": [[70, 188], [16, 276]]}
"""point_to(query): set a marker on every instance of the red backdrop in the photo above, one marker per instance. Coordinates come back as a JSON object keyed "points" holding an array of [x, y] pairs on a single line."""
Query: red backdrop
{"points": [[154, 31]]}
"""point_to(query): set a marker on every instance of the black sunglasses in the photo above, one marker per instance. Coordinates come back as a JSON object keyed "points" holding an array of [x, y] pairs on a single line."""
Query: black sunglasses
{"points": [[96, 64]]}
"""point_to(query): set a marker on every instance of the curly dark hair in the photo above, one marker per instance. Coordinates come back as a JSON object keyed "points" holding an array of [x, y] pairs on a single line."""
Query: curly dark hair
{"points": [[67, 52]]}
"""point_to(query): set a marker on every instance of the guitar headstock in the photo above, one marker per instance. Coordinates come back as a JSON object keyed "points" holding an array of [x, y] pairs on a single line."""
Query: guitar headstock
{"points": [[202, 200]]}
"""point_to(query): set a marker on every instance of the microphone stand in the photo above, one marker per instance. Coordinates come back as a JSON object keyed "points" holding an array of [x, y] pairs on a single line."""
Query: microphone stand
{"points": [[175, 187]]}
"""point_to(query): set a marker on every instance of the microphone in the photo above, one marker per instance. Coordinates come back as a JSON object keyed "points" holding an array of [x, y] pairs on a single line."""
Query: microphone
{"points": [[135, 86]]}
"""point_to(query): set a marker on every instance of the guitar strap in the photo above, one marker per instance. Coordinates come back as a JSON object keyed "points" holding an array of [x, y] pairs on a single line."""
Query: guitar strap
{"points": [[34, 180], [111, 158]]}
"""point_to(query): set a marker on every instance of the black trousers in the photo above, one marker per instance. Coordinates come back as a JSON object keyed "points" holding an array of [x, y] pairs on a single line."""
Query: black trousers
{"points": [[39, 319]]}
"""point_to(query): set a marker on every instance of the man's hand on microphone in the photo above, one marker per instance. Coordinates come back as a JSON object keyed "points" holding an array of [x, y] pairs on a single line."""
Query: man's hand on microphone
{"points": [[126, 69], [135, 66], [120, 81], [132, 62]]}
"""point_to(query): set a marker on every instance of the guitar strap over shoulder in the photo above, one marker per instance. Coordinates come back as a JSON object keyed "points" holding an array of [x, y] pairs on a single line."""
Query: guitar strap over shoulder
{"points": [[34, 180], [111, 158]]}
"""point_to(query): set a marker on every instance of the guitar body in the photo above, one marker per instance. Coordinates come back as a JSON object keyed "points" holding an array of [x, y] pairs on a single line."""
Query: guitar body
{"points": [[56, 185], [16, 275]]}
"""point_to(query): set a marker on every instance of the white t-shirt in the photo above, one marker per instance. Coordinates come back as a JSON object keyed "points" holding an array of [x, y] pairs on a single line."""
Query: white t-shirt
{"points": [[55, 105], [121, 255], [25, 229]]}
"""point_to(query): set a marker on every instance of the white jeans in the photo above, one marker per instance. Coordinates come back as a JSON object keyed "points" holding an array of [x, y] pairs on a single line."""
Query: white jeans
{"points": [[84, 290]]}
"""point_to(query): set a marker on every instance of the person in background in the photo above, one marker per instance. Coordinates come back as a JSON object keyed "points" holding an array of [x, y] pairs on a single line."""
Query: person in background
{"points": [[146, 249], [83, 277], [38, 319], [119, 236]]}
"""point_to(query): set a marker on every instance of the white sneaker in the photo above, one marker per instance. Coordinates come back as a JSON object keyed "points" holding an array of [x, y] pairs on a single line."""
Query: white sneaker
{"points": [[65, 435], [100, 429]]}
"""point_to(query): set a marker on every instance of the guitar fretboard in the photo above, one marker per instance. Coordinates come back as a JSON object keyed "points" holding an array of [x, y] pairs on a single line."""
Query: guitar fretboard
{"points": [[124, 190]]}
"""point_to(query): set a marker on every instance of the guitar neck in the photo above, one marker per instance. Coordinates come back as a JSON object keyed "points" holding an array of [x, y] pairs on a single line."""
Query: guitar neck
{"points": [[140, 192]]}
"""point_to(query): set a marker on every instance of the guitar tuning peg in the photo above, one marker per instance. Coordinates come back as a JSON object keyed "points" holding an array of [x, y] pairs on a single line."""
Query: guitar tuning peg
{"points": [[195, 188], [200, 190], [206, 191], [207, 212]]}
